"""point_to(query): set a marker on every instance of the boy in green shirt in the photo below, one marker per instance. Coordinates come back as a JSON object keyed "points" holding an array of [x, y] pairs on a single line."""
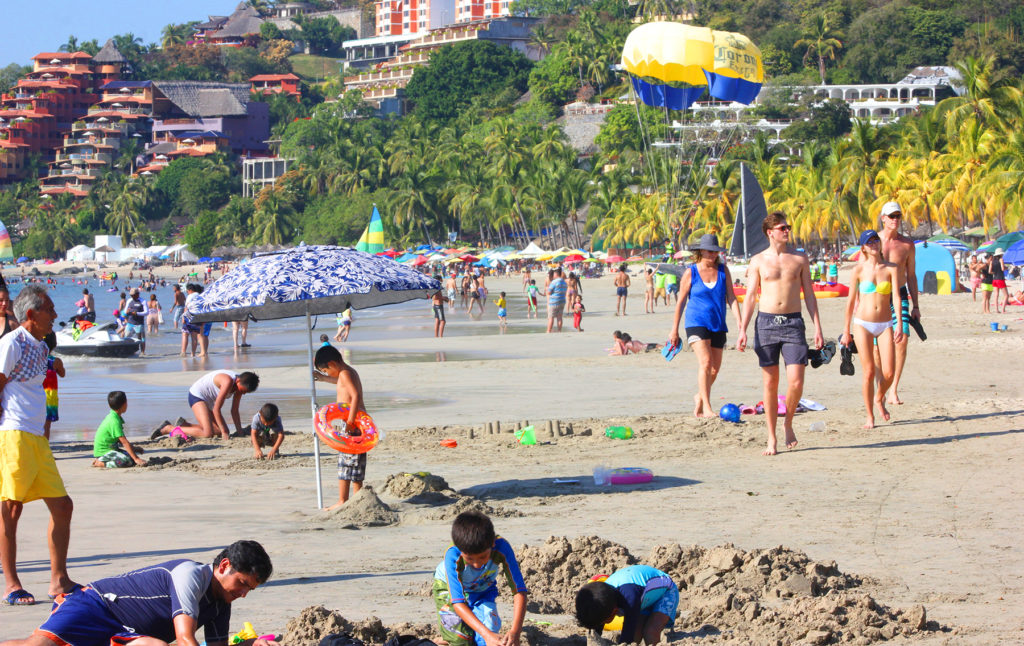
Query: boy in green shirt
{"points": [[110, 448]]}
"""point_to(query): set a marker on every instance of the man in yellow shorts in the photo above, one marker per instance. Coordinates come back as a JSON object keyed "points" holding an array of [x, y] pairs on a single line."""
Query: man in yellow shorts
{"points": [[27, 469]]}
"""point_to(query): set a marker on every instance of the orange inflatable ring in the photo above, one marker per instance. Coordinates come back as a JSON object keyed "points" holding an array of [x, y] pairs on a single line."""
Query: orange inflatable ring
{"points": [[330, 427]]}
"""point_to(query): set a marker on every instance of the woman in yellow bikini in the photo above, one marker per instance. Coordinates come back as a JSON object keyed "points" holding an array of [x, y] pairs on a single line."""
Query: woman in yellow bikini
{"points": [[869, 316]]}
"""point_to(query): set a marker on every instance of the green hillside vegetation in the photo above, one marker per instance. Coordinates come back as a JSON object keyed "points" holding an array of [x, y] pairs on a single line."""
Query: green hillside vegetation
{"points": [[478, 157]]}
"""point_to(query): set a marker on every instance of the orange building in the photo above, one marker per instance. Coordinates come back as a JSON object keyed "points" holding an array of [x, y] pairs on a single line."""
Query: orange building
{"points": [[37, 112], [121, 113], [276, 84]]}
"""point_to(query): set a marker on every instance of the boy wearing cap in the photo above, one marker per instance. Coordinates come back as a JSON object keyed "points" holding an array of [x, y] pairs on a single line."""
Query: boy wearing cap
{"points": [[780, 272], [899, 250]]}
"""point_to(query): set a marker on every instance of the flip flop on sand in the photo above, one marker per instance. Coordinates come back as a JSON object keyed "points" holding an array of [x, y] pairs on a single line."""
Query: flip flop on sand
{"points": [[20, 597]]}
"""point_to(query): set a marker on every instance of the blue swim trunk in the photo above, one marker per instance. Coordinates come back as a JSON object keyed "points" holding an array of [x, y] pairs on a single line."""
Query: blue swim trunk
{"points": [[667, 605], [83, 619], [502, 312]]}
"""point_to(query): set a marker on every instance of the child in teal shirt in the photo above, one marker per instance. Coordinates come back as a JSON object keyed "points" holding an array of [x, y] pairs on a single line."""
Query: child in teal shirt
{"points": [[646, 597]]}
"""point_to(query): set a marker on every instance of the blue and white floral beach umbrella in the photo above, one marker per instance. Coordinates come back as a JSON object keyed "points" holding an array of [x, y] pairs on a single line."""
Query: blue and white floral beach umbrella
{"points": [[309, 280]]}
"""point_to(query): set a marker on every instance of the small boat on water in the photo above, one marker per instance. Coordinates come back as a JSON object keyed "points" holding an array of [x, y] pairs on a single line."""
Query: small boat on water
{"points": [[96, 341]]}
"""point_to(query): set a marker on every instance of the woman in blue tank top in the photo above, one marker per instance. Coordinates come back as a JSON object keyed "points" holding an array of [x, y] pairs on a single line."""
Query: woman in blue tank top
{"points": [[707, 286]]}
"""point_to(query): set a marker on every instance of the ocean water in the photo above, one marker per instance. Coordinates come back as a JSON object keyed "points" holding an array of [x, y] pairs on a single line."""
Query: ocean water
{"points": [[278, 343]]}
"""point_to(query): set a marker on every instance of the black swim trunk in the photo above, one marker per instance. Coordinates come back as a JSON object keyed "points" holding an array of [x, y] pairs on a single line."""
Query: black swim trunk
{"points": [[700, 333], [439, 312], [351, 467], [776, 334]]}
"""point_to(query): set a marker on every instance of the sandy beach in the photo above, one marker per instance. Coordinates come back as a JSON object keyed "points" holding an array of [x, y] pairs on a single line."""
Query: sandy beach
{"points": [[920, 515]]}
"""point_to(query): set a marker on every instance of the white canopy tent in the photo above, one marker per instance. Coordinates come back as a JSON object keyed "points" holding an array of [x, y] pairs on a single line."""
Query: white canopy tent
{"points": [[80, 253], [532, 251]]}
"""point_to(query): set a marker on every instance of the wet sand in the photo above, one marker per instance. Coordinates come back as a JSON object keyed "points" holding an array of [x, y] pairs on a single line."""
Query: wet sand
{"points": [[925, 509]]}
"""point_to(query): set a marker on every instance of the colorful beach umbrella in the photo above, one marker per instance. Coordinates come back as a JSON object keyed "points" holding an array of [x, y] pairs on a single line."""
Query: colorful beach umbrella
{"points": [[949, 242], [1015, 254], [308, 281], [1003, 242], [372, 240], [611, 260], [6, 250]]}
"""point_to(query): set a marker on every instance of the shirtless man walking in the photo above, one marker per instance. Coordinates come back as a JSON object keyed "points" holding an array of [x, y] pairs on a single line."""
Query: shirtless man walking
{"points": [[779, 272], [621, 290], [899, 250]]}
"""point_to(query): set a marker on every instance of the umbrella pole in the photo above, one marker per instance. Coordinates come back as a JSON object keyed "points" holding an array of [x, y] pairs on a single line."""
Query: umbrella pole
{"points": [[312, 402]]}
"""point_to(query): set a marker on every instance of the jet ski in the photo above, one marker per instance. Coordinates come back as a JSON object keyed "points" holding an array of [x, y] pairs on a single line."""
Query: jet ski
{"points": [[83, 339]]}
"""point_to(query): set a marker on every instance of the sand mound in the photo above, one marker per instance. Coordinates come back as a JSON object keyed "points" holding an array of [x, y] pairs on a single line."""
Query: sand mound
{"points": [[158, 462], [316, 622], [728, 595], [555, 570], [469, 503], [363, 509], [410, 485]]}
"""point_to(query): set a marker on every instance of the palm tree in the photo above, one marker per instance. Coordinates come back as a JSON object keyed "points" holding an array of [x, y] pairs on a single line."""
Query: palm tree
{"points": [[412, 199], [177, 34], [274, 220], [923, 191], [123, 218], [985, 98], [858, 157], [130, 149], [70, 46], [541, 39], [965, 162], [820, 42]]}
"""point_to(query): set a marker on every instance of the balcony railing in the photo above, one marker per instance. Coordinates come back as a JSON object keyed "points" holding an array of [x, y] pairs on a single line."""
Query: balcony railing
{"points": [[373, 77], [101, 157], [96, 141], [79, 126], [125, 110], [79, 172]]}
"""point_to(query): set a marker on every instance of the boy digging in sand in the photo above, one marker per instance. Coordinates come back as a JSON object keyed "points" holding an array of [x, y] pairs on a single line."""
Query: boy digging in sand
{"points": [[266, 430], [646, 597], [332, 368], [465, 585]]}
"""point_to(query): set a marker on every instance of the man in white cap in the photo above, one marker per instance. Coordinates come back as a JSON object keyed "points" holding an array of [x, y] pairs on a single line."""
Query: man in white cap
{"points": [[899, 250]]}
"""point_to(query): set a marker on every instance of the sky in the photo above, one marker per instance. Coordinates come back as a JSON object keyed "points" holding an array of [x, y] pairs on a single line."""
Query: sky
{"points": [[31, 28]]}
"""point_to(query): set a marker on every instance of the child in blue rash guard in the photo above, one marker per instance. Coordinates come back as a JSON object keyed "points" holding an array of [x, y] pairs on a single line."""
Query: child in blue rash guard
{"points": [[646, 598], [465, 585]]}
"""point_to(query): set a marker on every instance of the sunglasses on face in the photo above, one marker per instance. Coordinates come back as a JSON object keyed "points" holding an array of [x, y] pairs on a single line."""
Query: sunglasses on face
{"points": [[783, 227], [894, 216]]}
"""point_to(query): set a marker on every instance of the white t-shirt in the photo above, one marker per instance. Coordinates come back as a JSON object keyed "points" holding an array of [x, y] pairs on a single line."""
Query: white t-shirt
{"points": [[23, 362], [205, 388]]}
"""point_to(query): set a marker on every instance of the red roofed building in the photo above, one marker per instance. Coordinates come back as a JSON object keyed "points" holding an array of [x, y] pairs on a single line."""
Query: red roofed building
{"points": [[40, 108], [276, 84]]}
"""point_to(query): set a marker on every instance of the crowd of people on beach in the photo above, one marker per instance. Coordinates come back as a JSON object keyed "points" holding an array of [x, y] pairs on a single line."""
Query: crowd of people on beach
{"points": [[171, 600]]}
